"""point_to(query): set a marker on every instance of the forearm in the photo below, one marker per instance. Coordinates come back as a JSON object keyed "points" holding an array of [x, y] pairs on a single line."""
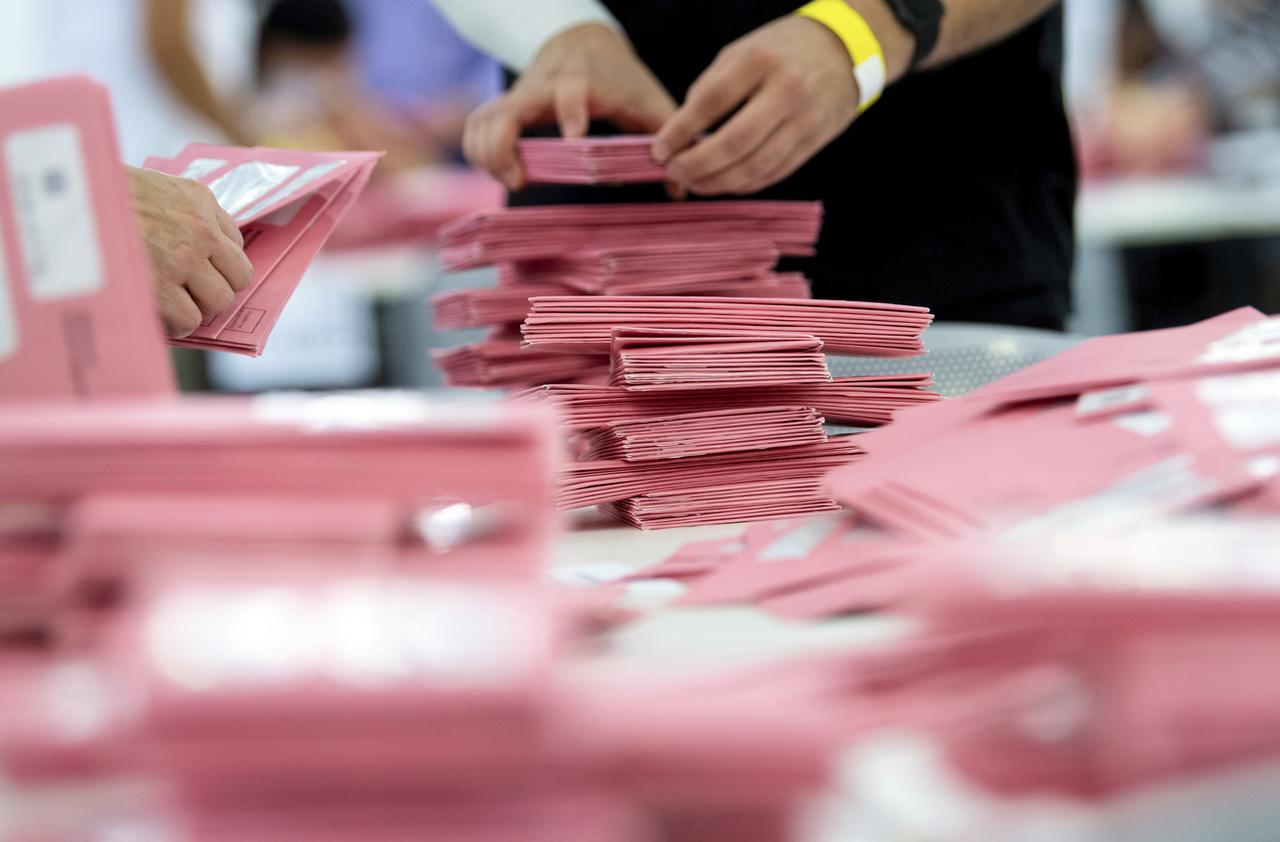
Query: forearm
{"points": [[168, 41], [967, 26], [512, 31]]}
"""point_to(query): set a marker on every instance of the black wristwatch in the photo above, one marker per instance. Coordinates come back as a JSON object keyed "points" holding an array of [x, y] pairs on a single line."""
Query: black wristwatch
{"points": [[923, 19]]}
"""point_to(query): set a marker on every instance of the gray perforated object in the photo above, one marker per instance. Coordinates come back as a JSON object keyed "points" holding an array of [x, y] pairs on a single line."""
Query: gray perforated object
{"points": [[965, 356]]}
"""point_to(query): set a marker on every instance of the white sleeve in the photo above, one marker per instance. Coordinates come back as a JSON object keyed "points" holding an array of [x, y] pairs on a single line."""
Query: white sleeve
{"points": [[512, 31]]}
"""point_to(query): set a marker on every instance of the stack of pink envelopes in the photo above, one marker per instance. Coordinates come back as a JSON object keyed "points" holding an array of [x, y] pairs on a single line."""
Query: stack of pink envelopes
{"points": [[718, 375], [655, 360], [508, 303], [717, 418], [704, 248], [552, 231], [859, 401], [287, 204], [586, 323], [293, 697], [705, 433], [500, 363], [653, 269], [380, 445], [624, 159]]}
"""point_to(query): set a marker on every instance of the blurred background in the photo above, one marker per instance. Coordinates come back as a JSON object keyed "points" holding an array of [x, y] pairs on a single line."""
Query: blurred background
{"points": [[1175, 103]]}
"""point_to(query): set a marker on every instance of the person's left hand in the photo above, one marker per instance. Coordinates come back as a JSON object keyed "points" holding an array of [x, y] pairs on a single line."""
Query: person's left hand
{"points": [[793, 79]]}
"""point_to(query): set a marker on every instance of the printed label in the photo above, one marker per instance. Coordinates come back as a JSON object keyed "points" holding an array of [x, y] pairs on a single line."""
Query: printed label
{"points": [[55, 212], [8, 319]]}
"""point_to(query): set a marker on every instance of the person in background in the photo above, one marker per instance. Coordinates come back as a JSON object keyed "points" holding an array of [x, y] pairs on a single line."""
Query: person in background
{"points": [[955, 189], [409, 56], [309, 92]]}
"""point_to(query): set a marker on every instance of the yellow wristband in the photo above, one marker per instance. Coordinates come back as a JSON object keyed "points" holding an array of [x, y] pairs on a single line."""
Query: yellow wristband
{"points": [[863, 46]]}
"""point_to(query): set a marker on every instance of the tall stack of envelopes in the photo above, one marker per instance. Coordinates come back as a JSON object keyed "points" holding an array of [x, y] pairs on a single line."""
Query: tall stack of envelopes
{"points": [[725, 248], [715, 407], [690, 373]]}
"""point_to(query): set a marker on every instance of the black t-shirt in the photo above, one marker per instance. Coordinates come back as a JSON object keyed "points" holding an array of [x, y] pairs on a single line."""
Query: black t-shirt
{"points": [[954, 191]]}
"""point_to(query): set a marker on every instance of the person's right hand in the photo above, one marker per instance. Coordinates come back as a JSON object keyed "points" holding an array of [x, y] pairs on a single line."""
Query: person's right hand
{"points": [[584, 73], [195, 249]]}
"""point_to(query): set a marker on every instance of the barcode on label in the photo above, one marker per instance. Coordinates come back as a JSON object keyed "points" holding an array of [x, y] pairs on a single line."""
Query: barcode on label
{"points": [[54, 208]]}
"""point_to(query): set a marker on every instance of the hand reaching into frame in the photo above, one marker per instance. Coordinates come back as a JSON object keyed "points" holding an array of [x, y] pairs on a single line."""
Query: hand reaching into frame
{"points": [[584, 73], [194, 247], [791, 83]]}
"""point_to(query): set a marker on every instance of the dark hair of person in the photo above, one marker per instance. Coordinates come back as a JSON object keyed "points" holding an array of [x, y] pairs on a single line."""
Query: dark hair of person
{"points": [[320, 23]]}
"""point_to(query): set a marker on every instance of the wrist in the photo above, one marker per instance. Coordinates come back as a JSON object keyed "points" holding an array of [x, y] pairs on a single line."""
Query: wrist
{"points": [[896, 42]]}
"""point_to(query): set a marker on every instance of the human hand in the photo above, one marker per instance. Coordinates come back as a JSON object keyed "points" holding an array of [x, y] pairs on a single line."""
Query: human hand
{"points": [[194, 247], [586, 72], [791, 82]]}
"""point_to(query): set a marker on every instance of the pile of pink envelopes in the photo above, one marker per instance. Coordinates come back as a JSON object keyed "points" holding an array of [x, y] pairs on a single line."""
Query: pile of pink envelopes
{"points": [[717, 376], [586, 323], [77, 318], [287, 204], [858, 401], [324, 617], [1089, 546], [1147, 430], [342, 704], [502, 361], [509, 303], [624, 159], [718, 418], [550, 231], [707, 248], [654, 269]]}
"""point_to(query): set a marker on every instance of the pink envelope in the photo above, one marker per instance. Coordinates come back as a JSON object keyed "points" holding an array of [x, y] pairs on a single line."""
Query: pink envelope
{"points": [[1239, 339], [649, 360], [287, 204], [624, 159], [76, 312]]}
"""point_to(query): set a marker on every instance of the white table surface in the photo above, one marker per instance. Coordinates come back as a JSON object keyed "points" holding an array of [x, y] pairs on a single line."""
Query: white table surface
{"points": [[1172, 209]]}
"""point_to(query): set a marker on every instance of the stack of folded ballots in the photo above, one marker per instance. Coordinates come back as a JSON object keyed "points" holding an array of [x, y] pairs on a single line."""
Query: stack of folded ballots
{"points": [[705, 248], [624, 159], [717, 419]]}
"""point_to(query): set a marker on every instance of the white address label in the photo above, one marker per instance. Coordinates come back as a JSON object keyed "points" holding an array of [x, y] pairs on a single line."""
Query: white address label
{"points": [[54, 205]]}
